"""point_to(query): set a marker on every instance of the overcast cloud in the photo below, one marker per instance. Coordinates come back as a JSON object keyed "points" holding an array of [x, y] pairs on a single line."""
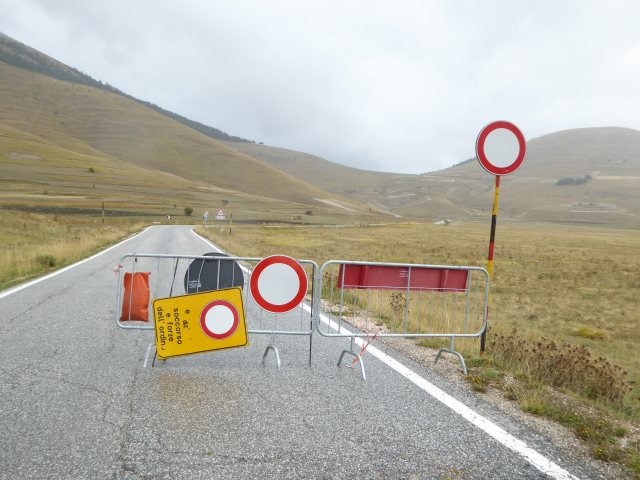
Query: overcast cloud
{"points": [[400, 86]]}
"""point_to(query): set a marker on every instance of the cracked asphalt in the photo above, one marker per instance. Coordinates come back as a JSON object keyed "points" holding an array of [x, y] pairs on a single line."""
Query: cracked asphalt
{"points": [[77, 403]]}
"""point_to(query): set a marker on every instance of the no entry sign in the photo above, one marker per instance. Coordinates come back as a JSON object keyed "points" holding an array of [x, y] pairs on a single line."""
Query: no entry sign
{"points": [[500, 148], [278, 284]]}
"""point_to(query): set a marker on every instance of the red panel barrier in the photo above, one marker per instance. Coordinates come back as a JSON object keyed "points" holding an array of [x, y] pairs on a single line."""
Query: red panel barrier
{"points": [[384, 277]]}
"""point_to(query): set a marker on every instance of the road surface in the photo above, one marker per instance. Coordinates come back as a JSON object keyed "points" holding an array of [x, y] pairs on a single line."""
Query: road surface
{"points": [[77, 402]]}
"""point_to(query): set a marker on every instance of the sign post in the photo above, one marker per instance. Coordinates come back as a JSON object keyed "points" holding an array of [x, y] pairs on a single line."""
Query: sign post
{"points": [[500, 149]]}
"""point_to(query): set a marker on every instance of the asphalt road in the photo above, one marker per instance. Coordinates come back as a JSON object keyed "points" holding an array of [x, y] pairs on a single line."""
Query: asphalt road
{"points": [[76, 401]]}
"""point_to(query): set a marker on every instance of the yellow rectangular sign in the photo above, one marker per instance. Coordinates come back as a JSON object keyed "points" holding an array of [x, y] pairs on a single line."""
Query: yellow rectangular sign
{"points": [[201, 322]]}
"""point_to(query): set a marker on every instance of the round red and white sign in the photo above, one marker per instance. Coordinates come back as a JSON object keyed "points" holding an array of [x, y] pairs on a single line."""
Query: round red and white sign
{"points": [[219, 319], [500, 148], [278, 284]]}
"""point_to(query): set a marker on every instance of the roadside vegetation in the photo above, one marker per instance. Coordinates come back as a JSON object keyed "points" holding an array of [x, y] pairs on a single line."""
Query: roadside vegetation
{"points": [[34, 244], [564, 322]]}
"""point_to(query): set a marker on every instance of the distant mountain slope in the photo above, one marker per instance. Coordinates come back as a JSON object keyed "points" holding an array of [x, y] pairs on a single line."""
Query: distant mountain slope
{"points": [[323, 173], [20, 55], [572, 153], [93, 122], [604, 163], [57, 124], [606, 159]]}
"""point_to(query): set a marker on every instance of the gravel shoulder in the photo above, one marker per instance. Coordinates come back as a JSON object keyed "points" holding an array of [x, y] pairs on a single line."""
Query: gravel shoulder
{"points": [[449, 368]]}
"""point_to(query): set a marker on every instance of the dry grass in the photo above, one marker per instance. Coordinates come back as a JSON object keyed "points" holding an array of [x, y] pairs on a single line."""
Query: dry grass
{"points": [[548, 280], [575, 286], [564, 366], [33, 244]]}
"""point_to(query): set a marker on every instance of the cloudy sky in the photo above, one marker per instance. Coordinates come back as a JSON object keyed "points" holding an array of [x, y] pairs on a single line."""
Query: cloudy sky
{"points": [[393, 85]]}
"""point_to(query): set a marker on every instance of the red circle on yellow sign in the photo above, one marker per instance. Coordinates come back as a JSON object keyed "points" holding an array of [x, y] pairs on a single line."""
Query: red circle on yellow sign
{"points": [[219, 319]]}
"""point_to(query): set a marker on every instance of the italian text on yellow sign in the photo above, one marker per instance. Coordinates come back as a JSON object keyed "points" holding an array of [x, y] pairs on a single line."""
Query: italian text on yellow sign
{"points": [[200, 322]]}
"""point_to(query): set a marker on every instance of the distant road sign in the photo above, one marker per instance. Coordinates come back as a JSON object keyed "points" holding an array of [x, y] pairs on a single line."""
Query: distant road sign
{"points": [[200, 323], [500, 148], [220, 215], [278, 284]]}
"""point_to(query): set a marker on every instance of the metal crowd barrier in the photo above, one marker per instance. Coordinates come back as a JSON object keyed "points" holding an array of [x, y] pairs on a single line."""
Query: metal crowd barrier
{"points": [[176, 275], [401, 300]]}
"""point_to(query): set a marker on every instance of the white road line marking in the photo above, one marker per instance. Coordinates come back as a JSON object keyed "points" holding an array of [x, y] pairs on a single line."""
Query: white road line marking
{"points": [[13, 290], [533, 457], [536, 459]]}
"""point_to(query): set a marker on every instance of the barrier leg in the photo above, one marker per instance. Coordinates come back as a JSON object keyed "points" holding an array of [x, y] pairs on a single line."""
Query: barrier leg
{"points": [[155, 357], [452, 351], [146, 357], [358, 358], [275, 350]]}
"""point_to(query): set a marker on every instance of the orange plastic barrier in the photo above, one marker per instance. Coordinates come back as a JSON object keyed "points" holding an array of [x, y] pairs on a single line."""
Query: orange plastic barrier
{"points": [[135, 303]]}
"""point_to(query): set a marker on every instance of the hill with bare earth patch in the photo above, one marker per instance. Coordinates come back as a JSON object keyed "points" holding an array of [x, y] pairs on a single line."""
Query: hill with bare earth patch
{"points": [[583, 176], [589, 176]]}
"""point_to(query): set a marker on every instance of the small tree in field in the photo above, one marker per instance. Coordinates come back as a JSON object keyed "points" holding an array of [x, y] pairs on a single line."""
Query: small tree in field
{"points": [[188, 211]]}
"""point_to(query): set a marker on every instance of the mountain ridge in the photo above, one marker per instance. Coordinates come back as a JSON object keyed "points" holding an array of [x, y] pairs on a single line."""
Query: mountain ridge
{"points": [[20, 55]]}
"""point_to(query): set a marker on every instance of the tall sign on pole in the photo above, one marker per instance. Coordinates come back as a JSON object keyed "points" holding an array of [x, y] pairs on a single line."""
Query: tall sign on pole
{"points": [[500, 149]]}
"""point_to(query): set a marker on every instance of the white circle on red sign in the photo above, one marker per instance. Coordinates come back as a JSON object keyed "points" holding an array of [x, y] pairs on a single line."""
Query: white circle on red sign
{"points": [[219, 319], [278, 284], [500, 148]]}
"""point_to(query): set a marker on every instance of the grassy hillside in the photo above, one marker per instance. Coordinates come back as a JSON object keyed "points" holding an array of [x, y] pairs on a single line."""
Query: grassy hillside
{"points": [[20, 55], [582, 176], [327, 175], [66, 125], [609, 158]]}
